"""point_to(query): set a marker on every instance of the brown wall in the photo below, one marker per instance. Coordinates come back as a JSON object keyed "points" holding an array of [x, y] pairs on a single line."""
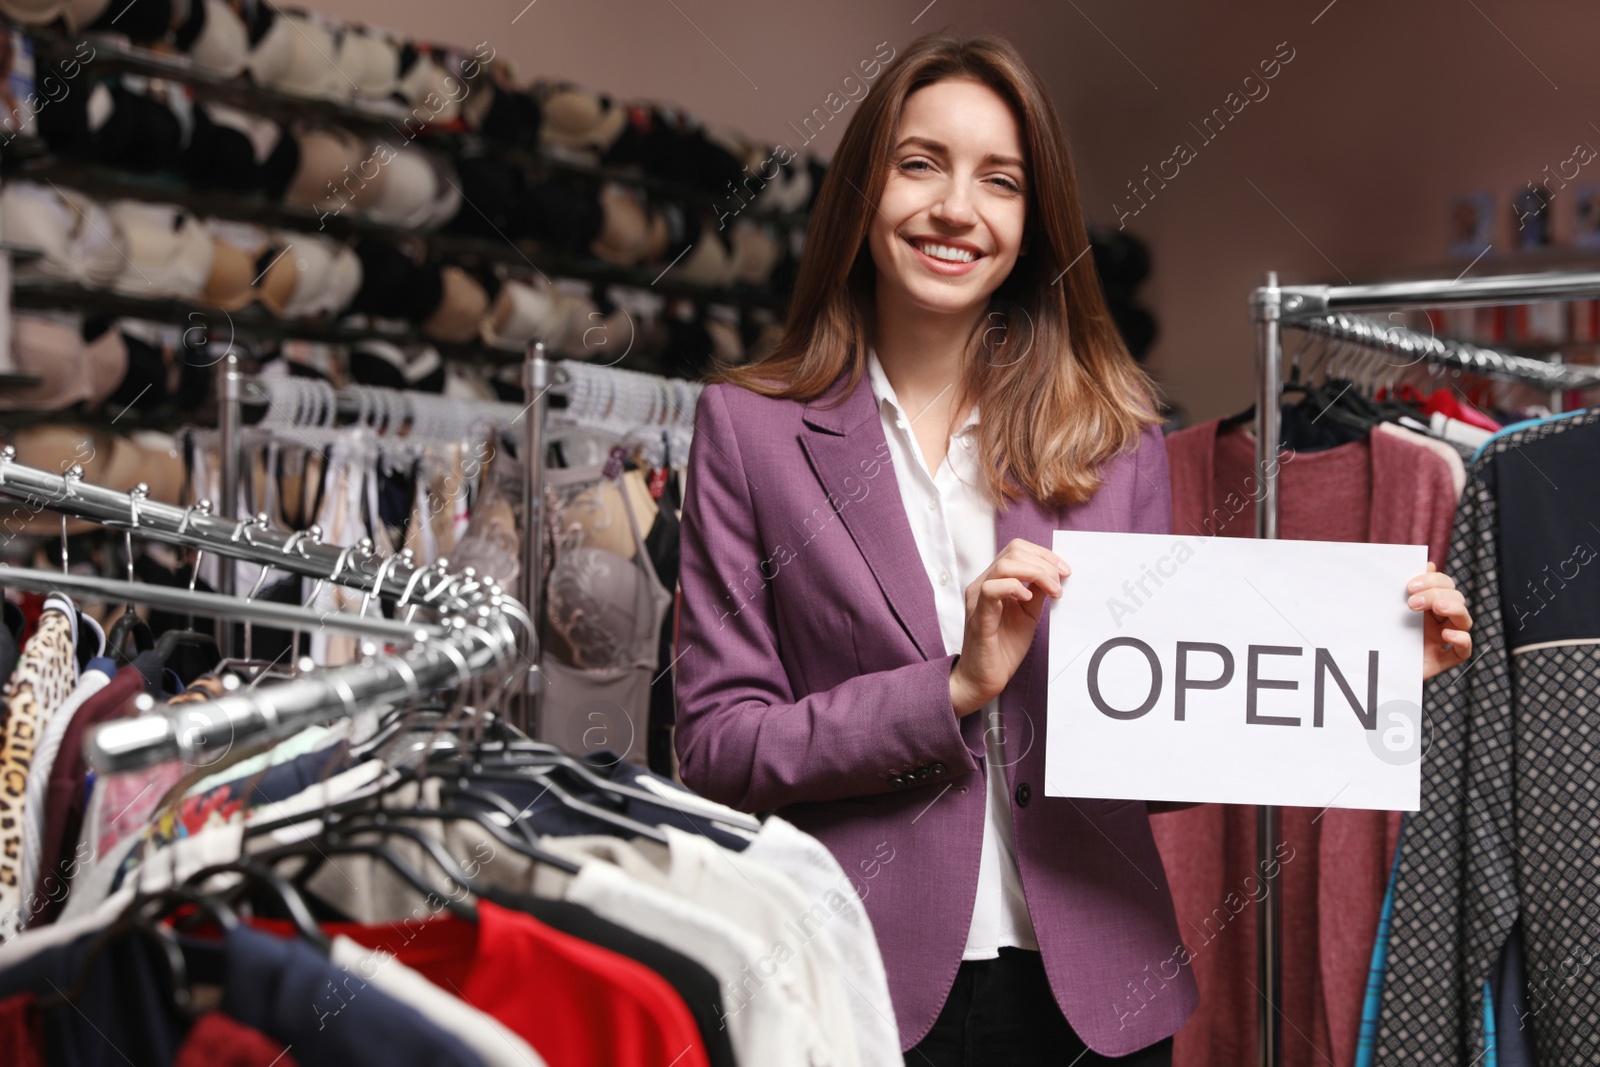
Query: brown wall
{"points": [[1346, 168]]}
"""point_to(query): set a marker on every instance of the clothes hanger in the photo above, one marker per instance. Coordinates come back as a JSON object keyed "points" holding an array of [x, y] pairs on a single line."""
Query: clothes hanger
{"points": [[128, 624], [197, 652], [338, 838], [456, 781], [1336, 398], [466, 763], [261, 521], [1293, 386], [541, 774], [143, 918], [130, 621], [258, 878], [582, 445], [1371, 366], [200, 647], [1387, 386], [526, 752], [525, 842], [369, 811]]}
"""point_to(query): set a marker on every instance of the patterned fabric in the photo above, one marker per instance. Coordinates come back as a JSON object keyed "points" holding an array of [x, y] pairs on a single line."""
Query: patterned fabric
{"points": [[1373, 1003], [1510, 817], [1556, 772], [125, 804], [91, 681], [230, 803], [43, 679]]}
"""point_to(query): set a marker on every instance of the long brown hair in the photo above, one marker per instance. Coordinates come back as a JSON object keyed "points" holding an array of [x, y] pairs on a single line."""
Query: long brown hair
{"points": [[1058, 392]]}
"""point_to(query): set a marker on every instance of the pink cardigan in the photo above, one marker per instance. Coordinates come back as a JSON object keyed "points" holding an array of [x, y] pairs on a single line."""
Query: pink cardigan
{"points": [[1381, 490]]}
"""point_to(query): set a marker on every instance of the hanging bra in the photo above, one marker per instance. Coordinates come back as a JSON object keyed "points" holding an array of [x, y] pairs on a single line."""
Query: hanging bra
{"points": [[249, 265], [329, 274], [409, 198], [169, 250], [603, 616], [78, 241], [69, 371], [215, 38], [337, 171], [371, 63], [520, 313], [603, 610], [460, 310]]}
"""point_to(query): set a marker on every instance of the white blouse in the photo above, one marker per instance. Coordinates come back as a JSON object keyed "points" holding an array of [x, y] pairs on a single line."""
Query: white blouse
{"points": [[954, 526]]}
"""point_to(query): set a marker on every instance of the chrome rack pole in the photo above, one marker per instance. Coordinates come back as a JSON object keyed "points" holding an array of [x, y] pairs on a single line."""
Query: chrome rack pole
{"points": [[202, 732], [195, 602], [536, 387], [228, 415], [473, 635], [294, 553], [1375, 335], [1300, 300], [1266, 309]]}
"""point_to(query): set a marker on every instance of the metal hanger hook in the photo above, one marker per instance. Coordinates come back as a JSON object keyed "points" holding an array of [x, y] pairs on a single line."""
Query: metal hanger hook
{"points": [[204, 507], [384, 568]]}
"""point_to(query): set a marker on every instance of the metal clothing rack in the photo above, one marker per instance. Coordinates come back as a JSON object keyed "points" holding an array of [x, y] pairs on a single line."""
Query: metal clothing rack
{"points": [[472, 637], [536, 391], [541, 375], [351, 403], [1326, 310]]}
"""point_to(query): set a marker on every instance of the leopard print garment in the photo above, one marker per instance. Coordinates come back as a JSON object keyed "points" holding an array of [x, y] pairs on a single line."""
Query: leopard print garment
{"points": [[41, 682]]}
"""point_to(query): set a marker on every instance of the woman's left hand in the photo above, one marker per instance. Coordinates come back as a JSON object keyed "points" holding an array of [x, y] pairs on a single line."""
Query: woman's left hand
{"points": [[1445, 622]]}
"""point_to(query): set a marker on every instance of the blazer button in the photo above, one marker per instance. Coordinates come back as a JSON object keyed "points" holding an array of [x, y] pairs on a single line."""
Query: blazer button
{"points": [[938, 770], [923, 773], [1024, 794]]}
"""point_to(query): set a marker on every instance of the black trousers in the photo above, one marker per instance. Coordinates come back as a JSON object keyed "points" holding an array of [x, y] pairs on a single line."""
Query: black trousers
{"points": [[1001, 1013]]}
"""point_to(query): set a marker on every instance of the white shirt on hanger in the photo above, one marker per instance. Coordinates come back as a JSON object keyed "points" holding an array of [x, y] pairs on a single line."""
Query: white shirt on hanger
{"points": [[767, 1018], [954, 527], [769, 904], [807, 862]]}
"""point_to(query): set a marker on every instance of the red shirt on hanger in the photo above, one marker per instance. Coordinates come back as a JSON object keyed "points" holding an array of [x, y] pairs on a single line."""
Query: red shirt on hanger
{"points": [[577, 1004], [1446, 403]]}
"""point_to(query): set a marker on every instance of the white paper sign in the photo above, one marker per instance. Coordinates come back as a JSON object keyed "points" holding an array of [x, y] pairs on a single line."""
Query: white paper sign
{"points": [[1236, 670]]}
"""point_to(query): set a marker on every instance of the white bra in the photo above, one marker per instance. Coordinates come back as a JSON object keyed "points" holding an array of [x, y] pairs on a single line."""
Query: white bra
{"points": [[80, 243]]}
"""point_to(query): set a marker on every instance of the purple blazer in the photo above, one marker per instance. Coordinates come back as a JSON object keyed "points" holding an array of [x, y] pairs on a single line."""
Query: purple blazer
{"points": [[812, 679]]}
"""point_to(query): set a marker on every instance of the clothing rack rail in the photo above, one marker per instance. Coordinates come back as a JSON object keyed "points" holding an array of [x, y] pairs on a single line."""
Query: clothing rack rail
{"points": [[1437, 351], [614, 395], [352, 404], [249, 539], [1325, 310], [473, 635]]}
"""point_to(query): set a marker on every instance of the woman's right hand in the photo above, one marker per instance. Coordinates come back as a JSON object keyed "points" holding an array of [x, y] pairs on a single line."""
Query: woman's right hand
{"points": [[1003, 609]]}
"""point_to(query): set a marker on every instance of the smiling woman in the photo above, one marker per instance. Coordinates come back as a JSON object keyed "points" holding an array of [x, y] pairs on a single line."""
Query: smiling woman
{"points": [[947, 328], [884, 684], [1072, 399]]}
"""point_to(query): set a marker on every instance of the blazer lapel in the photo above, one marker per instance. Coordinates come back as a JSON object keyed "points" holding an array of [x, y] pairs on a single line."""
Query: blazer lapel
{"points": [[850, 457]]}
